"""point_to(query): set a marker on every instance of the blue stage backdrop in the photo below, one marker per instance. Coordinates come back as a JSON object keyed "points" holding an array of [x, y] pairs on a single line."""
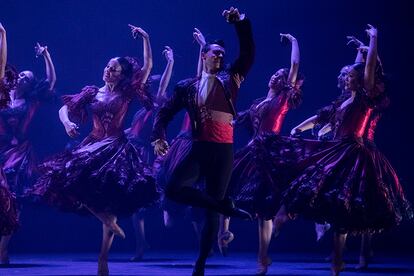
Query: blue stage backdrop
{"points": [[83, 35]]}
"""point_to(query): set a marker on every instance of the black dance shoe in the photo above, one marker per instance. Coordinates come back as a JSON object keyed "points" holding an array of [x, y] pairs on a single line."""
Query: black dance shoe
{"points": [[198, 270], [230, 210]]}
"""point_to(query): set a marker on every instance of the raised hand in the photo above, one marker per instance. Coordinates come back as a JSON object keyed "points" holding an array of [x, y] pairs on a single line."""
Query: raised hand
{"points": [[199, 37], [137, 31], [233, 15], [290, 37], [371, 31], [168, 53], [40, 50], [71, 129], [353, 40]]}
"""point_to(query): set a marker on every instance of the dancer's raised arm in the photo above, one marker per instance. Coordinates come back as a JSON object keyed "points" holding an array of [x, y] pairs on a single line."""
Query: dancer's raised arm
{"points": [[166, 76], [3, 50], [199, 37], [294, 58], [147, 64], [362, 51], [371, 62], [50, 68], [361, 48], [245, 60]]}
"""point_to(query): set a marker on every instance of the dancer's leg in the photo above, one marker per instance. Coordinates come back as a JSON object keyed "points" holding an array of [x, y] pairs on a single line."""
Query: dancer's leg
{"points": [[180, 186], [4, 249], [280, 219], [107, 239], [218, 171], [365, 251], [339, 244], [110, 221], [265, 236], [138, 223], [4, 244]]}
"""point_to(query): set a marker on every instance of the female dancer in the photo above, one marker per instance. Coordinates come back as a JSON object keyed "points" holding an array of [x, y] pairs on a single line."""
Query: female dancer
{"points": [[16, 153], [104, 174], [255, 183], [8, 210], [350, 184], [139, 135], [326, 133]]}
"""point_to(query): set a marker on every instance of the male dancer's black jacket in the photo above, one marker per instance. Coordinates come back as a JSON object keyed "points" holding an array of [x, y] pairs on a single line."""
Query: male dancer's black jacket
{"points": [[185, 92]]}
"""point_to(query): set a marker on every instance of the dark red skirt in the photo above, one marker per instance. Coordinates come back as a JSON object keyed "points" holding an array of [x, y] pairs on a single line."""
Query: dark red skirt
{"points": [[350, 184], [8, 209], [105, 175]]}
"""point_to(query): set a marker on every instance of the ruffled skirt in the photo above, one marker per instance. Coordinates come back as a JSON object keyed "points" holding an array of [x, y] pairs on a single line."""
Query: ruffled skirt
{"points": [[8, 209], [262, 170], [103, 175], [19, 167], [350, 184]]}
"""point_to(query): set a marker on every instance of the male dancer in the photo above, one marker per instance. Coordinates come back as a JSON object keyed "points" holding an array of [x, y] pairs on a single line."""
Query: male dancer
{"points": [[209, 100]]}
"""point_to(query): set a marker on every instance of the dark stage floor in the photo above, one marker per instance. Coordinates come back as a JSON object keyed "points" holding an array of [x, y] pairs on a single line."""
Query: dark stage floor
{"points": [[180, 263]]}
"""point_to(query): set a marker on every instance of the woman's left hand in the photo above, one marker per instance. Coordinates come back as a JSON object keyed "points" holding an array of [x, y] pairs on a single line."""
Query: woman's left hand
{"points": [[290, 37]]}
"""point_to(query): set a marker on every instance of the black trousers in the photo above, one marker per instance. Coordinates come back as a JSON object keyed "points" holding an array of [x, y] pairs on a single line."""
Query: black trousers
{"points": [[213, 161]]}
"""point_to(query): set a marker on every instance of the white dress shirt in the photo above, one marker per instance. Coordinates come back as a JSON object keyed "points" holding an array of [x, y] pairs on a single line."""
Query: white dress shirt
{"points": [[205, 87]]}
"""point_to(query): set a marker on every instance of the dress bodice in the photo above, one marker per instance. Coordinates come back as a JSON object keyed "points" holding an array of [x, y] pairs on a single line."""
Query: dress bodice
{"points": [[358, 118], [12, 119], [108, 110], [15, 121], [267, 115], [108, 115], [271, 115]]}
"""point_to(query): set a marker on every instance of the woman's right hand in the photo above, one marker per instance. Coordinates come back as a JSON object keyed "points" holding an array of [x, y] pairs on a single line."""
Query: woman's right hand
{"points": [[353, 40], [168, 53], [137, 31], [371, 31], [71, 129], [40, 50]]}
